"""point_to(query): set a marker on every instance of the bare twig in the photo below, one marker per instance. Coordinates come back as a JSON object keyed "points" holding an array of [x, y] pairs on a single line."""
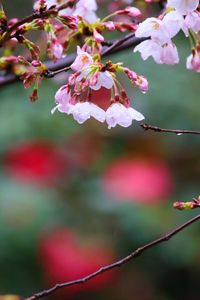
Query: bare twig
{"points": [[116, 264], [162, 130]]}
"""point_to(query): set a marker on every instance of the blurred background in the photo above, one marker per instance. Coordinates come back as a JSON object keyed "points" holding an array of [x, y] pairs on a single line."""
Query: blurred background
{"points": [[76, 197]]}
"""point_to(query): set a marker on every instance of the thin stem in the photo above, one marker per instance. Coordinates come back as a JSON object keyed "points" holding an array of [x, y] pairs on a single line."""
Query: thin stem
{"points": [[51, 74], [162, 130], [118, 263]]}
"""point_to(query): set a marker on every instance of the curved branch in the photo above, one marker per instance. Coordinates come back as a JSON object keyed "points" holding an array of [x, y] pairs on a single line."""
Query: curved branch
{"points": [[118, 263], [165, 130]]}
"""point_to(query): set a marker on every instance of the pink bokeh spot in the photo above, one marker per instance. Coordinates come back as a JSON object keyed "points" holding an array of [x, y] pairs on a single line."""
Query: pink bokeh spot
{"points": [[138, 180], [65, 257]]}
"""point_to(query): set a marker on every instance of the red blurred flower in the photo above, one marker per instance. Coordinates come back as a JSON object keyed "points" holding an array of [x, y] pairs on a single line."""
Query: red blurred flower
{"points": [[138, 180], [65, 258], [35, 161]]}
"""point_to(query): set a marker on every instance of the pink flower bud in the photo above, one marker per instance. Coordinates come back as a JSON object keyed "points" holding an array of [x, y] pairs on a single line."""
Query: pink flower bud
{"points": [[36, 63], [109, 25], [12, 21], [132, 12], [97, 36]]}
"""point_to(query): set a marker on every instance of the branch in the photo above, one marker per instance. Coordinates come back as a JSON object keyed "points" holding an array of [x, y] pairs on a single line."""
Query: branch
{"points": [[116, 46], [35, 15], [162, 130], [116, 264]]}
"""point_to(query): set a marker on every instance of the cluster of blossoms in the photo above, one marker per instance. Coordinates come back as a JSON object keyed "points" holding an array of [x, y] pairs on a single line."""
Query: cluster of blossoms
{"points": [[66, 23], [81, 20], [90, 75], [179, 15], [84, 8]]}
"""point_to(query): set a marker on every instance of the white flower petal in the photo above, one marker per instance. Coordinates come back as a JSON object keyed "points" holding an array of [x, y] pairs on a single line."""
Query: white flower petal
{"points": [[98, 113], [135, 115]]}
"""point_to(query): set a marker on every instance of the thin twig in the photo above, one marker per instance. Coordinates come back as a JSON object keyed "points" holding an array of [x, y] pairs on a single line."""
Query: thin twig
{"points": [[116, 264], [162, 130]]}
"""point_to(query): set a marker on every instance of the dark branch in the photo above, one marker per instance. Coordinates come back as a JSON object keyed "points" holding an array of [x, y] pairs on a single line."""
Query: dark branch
{"points": [[35, 15], [162, 130], [116, 264], [118, 45]]}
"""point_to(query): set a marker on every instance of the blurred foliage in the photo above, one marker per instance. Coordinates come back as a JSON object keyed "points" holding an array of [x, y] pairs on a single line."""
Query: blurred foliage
{"points": [[76, 200]]}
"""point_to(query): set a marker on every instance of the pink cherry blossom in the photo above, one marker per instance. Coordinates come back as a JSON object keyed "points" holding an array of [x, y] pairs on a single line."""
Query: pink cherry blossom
{"points": [[83, 8], [173, 21], [150, 48], [86, 9], [57, 50], [193, 62], [118, 114], [192, 21], [82, 111], [97, 36], [166, 54], [169, 54], [82, 60], [154, 28], [96, 80], [49, 3], [183, 6], [161, 31], [104, 79], [63, 100]]}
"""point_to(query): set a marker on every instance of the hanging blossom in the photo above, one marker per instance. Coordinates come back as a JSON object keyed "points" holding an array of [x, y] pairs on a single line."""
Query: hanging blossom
{"points": [[181, 15], [183, 6], [193, 60], [90, 75], [83, 8]]}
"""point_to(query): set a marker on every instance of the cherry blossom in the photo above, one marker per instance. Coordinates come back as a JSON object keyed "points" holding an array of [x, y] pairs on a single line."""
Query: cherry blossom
{"points": [[193, 61], [157, 30], [150, 48], [166, 54], [62, 99], [82, 111], [82, 60], [83, 8], [183, 6], [49, 3], [118, 114], [103, 79], [192, 21], [86, 9], [169, 54], [57, 50]]}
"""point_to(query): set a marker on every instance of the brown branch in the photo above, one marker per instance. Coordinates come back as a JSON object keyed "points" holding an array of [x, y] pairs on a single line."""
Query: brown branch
{"points": [[118, 45], [116, 264], [163, 130], [35, 15]]}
